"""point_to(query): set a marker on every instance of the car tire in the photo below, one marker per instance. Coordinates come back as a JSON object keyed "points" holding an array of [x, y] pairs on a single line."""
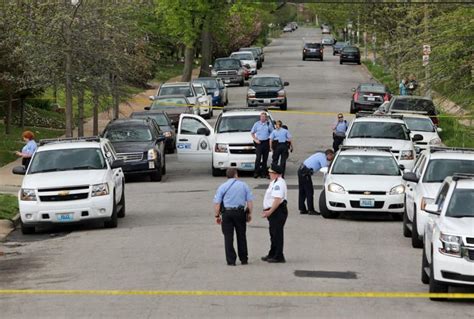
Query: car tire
{"points": [[323, 208], [216, 172], [304, 59], [27, 230], [334, 53], [352, 109], [358, 62], [113, 222], [321, 59], [242, 83], [436, 287], [416, 242], [340, 62], [163, 169], [284, 106], [157, 175], [226, 100], [121, 212], [212, 112], [406, 230], [397, 216], [424, 264]]}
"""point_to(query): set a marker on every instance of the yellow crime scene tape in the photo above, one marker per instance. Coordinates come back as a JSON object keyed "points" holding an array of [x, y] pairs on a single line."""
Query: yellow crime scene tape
{"points": [[207, 293]]}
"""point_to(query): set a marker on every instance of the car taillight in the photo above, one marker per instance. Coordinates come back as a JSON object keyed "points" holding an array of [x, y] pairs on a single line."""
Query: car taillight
{"points": [[386, 97]]}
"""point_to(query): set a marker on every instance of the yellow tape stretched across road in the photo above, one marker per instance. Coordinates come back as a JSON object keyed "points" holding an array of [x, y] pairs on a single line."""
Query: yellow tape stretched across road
{"points": [[206, 293]]}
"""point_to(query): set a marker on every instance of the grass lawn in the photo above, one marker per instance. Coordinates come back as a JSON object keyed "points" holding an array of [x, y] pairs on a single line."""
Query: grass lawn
{"points": [[167, 71], [12, 143], [8, 206]]}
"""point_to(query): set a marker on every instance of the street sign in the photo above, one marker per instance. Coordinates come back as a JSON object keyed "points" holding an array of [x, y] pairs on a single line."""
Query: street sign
{"points": [[426, 49], [426, 59]]}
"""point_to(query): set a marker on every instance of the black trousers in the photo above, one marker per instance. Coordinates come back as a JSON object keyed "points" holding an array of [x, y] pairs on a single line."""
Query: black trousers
{"points": [[235, 220], [337, 141], [25, 161], [280, 155], [305, 191], [262, 150], [277, 222]]}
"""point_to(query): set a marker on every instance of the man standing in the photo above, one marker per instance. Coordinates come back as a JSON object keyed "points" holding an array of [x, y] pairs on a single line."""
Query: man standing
{"points": [[276, 211], [339, 130], [305, 183], [229, 207], [261, 131], [280, 142]]}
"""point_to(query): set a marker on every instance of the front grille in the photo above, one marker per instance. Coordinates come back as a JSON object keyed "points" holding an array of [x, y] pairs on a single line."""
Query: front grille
{"points": [[66, 188], [470, 240], [59, 198], [229, 72], [130, 157], [421, 143], [366, 193], [266, 95], [241, 148], [356, 204], [242, 151]]}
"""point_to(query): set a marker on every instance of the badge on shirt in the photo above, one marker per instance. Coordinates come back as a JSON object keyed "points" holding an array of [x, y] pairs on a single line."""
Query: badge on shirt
{"points": [[277, 188]]}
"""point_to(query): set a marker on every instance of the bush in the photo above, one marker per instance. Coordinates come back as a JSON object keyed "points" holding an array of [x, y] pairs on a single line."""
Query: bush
{"points": [[43, 104], [40, 118]]}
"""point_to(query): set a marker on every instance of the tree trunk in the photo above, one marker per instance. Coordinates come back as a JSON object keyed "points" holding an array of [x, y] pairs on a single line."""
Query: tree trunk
{"points": [[68, 89], [188, 64], [95, 111], [115, 99], [80, 112], [22, 113], [8, 114], [206, 50]]}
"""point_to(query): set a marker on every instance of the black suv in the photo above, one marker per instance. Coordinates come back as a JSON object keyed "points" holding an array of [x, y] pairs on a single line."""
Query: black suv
{"points": [[411, 104], [350, 54], [139, 143], [313, 51], [267, 90]]}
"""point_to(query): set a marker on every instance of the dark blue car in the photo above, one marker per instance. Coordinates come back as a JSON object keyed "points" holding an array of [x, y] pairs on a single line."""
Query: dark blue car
{"points": [[216, 88]]}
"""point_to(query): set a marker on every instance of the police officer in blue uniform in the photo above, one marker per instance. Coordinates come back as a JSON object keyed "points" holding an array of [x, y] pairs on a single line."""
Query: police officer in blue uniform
{"points": [[261, 131], [305, 183], [233, 209], [339, 130], [280, 143]]}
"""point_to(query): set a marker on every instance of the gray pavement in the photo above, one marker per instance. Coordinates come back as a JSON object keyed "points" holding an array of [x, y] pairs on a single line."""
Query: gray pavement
{"points": [[168, 240]]}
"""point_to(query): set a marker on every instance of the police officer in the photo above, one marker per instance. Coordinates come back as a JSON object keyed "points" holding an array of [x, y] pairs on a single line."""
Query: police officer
{"points": [[305, 183], [280, 143], [230, 212], [276, 211], [339, 130], [261, 131]]}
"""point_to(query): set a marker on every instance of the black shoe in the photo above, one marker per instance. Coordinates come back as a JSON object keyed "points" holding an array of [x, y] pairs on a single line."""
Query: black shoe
{"points": [[303, 212], [265, 258], [230, 264], [244, 262], [313, 212], [274, 260], [255, 176]]}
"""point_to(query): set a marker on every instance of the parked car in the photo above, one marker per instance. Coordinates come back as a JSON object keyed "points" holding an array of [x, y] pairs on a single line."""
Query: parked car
{"points": [[338, 46], [448, 250], [216, 88], [230, 70], [205, 108], [413, 104], [312, 50], [327, 41], [287, 28], [423, 125], [71, 180], [423, 181], [257, 52], [350, 54], [383, 189], [165, 124], [246, 58], [183, 88], [173, 105], [369, 97], [326, 30], [139, 143], [294, 25], [267, 90]]}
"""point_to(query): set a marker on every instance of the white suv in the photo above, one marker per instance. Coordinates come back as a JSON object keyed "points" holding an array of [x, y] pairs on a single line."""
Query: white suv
{"points": [[229, 144], [423, 182], [384, 131], [71, 180], [362, 179], [448, 250]]}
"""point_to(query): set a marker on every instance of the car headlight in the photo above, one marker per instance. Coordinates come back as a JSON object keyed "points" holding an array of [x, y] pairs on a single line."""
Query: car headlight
{"points": [[213, 73], [100, 190], [27, 194], [152, 154], [435, 141], [407, 155], [281, 93], [221, 148], [451, 245], [397, 190], [336, 188], [250, 93], [425, 201], [216, 93], [167, 134]]}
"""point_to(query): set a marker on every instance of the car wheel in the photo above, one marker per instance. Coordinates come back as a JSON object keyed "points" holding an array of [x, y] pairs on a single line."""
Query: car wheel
{"points": [[321, 58], [406, 230], [157, 175], [112, 223], [358, 62], [304, 59], [352, 110], [212, 112], [416, 242], [436, 287], [424, 266], [27, 230], [163, 169], [284, 106], [397, 216], [226, 100], [216, 172], [334, 53], [121, 212], [324, 210], [242, 83], [340, 62]]}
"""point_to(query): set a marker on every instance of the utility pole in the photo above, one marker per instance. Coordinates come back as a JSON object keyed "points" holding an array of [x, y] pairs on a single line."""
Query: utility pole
{"points": [[427, 66]]}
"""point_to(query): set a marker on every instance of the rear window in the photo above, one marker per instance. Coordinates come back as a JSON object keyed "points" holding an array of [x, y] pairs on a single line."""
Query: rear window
{"points": [[385, 130], [242, 56], [350, 50], [176, 90], [418, 105], [313, 45], [372, 88]]}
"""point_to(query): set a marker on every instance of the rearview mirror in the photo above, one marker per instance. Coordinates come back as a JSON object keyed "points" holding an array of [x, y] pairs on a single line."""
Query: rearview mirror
{"points": [[117, 164], [432, 209], [19, 170], [410, 177], [286, 83], [147, 108], [151, 97], [203, 131]]}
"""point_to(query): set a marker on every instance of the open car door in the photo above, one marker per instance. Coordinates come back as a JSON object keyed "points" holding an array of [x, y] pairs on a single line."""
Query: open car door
{"points": [[195, 139]]}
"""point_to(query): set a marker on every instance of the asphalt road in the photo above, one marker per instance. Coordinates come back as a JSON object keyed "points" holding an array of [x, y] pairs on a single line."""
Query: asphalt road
{"points": [[169, 241]]}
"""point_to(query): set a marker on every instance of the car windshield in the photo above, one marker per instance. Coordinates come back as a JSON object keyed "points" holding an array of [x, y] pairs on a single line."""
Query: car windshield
{"points": [[177, 90], [266, 82], [160, 118], [366, 165], [199, 90], [388, 130], [227, 64], [312, 45], [340, 44], [242, 56], [461, 204], [439, 169], [210, 84], [372, 88], [128, 134], [418, 105], [350, 50], [67, 160], [254, 51], [419, 124], [243, 123]]}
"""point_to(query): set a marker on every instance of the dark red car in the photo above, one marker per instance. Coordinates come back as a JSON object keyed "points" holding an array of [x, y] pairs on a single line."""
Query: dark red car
{"points": [[369, 96]]}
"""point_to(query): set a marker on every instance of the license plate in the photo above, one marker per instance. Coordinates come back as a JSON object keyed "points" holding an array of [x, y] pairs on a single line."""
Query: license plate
{"points": [[371, 98], [151, 165], [267, 101], [312, 50], [367, 203], [226, 81], [65, 217], [247, 165]]}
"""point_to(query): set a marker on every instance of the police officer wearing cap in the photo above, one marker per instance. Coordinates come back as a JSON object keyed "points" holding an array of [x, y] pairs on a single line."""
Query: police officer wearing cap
{"points": [[339, 130], [276, 211], [261, 131], [230, 203], [305, 182], [280, 143]]}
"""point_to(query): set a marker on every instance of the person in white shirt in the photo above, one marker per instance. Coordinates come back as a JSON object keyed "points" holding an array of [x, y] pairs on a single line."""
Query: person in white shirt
{"points": [[276, 211]]}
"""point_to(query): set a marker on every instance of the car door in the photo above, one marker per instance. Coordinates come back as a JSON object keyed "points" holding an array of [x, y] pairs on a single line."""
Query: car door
{"points": [[410, 194], [117, 175], [195, 139], [159, 140], [433, 219]]}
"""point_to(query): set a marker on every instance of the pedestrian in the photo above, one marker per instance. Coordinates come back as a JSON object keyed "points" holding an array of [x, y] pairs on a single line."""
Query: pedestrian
{"points": [[276, 211], [412, 84], [28, 150], [261, 131], [403, 86], [305, 183], [339, 130], [280, 144], [233, 205]]}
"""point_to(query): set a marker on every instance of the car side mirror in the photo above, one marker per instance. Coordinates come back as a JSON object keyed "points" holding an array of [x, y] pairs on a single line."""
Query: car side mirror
{"points": [[401, 167], [432, 209], [439, 129], [417, 137], [147, 108], [203, 131], [286, 83], [117, 164], [324, 170], [151, 97], [410, 177], [19, 170]]}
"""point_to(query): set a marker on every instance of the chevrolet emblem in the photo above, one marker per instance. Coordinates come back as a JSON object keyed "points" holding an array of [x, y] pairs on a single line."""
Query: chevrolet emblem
{"points": [[63, 193], [366, 193]]}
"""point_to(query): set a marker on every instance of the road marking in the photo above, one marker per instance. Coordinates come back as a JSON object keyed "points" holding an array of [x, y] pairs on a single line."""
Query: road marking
{"points": [[205, 293]]}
